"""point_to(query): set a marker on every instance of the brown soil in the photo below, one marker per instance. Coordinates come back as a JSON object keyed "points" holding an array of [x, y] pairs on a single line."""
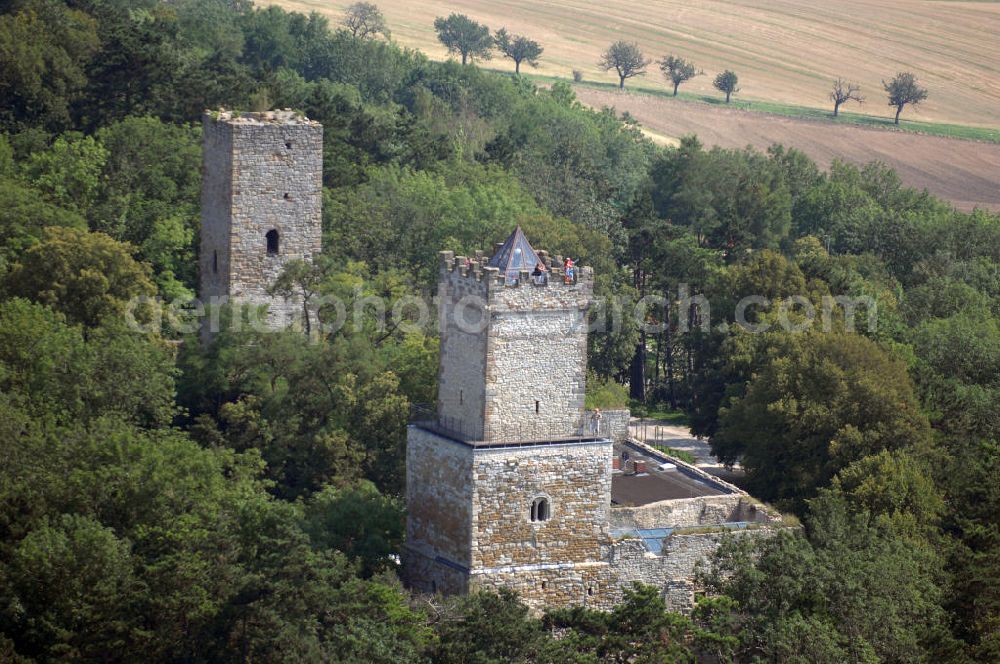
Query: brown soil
{"points": [[966, 173]]}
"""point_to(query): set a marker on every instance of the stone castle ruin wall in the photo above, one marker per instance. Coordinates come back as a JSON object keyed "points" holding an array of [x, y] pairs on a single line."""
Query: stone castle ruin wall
{"points": [[262, 173]]}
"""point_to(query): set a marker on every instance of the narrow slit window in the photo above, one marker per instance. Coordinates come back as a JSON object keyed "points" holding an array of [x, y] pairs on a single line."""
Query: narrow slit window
{"points": [[215, 261], [273, 241], [461, 397], [537, 407]]}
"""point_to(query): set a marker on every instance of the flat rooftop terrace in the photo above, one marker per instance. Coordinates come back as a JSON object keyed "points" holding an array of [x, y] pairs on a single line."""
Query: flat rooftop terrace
{"points": [[654, 485]]}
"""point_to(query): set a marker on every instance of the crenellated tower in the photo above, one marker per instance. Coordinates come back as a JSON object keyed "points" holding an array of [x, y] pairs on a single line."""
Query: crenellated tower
{"points": [[505, 478]]}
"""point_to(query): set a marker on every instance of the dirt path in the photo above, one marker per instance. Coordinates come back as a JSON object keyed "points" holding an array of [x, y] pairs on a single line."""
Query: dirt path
{"points": [[966, 173]]}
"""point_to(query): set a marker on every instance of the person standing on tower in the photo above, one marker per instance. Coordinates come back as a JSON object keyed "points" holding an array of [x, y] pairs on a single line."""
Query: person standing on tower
{"points": [[539, 273]]}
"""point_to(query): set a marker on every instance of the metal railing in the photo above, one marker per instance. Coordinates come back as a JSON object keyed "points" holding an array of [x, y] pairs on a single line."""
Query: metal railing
{"points": [[502, 435]]}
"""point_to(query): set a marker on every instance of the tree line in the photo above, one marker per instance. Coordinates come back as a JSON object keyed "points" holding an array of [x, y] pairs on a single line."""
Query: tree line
{"points": [[471, 40], [168, 500]]}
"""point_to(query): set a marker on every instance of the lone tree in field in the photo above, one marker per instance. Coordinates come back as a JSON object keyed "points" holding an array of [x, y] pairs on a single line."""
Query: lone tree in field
{"points": [[517, 48], [677, 70], [903, 90], [625, 58], [363, 19], [460, 34], [843, 92], [727, 82]]}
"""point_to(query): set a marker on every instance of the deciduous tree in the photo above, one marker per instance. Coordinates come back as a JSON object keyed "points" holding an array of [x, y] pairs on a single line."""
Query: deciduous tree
{"points": [[460, 34], [86, 276], [902, 89], [727, 82], [625, 58], [843, 92], [677, 70], [518, 48], [823, 401], [364, 20]]}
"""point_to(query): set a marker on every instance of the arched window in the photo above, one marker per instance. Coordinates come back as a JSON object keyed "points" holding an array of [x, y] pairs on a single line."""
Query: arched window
{"points": [[272, 241], [540, 510]]}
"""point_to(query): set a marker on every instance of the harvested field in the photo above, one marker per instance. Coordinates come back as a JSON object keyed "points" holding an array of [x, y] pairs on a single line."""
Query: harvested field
{"points": [[785, 51], [966, 173]]}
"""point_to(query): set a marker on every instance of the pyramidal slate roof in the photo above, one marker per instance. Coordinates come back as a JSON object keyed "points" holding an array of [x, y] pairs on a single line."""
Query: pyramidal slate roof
{"points": [[515, 255]]}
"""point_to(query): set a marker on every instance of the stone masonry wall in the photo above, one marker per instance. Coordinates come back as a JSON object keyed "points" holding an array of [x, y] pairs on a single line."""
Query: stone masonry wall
{"points": [[536, 374], [439, 496], [536, 361], [216, 202], [461, 382], [263, 172], [613, 424], [602, 584], [429, 575], [513, 357], [684, 512], [574, 477], [673, 570]]}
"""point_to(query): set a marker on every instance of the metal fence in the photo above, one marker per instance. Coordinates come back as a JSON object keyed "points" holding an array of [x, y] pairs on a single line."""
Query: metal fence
{"points": [[508, 433]]}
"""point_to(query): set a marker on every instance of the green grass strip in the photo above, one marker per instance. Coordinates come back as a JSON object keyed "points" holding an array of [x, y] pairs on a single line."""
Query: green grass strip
{"points": [[983, 134]]}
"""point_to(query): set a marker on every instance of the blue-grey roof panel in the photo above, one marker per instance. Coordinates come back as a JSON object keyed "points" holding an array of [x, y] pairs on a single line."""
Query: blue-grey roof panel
{"points": [[515, 255]]}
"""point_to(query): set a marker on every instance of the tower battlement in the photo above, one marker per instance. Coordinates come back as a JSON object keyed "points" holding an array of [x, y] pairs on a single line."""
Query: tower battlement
{"points": [[477, 268]]}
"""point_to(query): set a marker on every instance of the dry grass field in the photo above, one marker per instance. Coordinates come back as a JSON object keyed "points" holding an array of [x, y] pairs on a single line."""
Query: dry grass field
{"points": [[966, 173], [785, 51]]}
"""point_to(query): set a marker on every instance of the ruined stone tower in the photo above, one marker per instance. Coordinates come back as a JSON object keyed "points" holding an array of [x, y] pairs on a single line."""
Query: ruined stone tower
{"points": [[505, 486], [261, 203]]}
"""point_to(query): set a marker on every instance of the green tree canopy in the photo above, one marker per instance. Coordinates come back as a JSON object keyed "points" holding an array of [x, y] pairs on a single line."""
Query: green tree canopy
{"points": [[727, 82], [626, 59], [460, 34], [364, 20], [902, 89], [823, 401], [677, 70], [86, 276], [518, 48]]}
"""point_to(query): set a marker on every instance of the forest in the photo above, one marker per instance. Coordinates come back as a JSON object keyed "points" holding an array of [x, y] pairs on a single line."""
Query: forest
{"points": [[167, 500]]}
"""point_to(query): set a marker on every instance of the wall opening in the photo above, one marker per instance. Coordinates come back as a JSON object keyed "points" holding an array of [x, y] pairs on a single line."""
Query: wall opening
{"points": [[287, 196], [540, 510], [288, 145], [543, 585], [215, 261], [537, 407], [461, 397], [273, 241]]}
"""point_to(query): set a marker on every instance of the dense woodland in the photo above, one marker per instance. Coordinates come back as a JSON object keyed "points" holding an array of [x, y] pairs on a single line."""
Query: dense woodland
{"points": [[163, 500]]}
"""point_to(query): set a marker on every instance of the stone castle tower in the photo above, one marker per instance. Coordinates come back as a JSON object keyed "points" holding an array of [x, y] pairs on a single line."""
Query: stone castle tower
{"points": [[505, 486], [261, 203]]}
